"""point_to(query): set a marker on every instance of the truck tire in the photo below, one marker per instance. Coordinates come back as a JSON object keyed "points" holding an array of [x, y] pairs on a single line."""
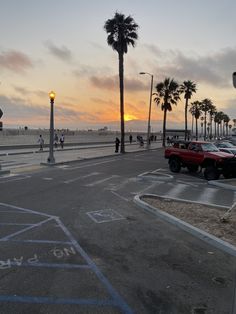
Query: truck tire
{"points": [[228, 175], [174, 165], [211, 173]]}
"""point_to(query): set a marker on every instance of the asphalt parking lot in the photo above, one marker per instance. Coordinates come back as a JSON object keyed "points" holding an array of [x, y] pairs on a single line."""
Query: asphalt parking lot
{"points": [[72, 240]]}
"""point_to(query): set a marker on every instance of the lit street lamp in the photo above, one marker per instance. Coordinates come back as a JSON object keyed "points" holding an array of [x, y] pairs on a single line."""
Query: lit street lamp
{"points": [[150, 106], [51, 159]]}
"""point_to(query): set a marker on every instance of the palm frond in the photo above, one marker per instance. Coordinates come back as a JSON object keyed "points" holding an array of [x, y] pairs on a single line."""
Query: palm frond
{"points": [[122, 32]]}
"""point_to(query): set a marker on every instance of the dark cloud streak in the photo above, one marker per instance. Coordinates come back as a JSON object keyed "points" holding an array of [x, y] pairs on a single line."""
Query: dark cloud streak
{"points": [[214, 69], [112, 82], [15, 61], [62, 53]]}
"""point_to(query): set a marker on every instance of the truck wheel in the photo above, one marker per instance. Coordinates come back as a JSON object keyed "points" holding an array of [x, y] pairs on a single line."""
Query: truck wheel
{"points": [[211, 173], [192, 168], [228, 173], [175, 165]]}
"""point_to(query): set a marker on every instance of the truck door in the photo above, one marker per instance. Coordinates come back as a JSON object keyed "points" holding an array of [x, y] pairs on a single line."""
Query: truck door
{"points": [[195, 154]]}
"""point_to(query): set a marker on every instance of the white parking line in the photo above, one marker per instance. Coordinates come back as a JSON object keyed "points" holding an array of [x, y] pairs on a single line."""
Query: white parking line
{"points": [[147, 188], [176, 190], [12, 178], [120, 196], [92, 164], [81, 177], [207, 195], [101, 181]]}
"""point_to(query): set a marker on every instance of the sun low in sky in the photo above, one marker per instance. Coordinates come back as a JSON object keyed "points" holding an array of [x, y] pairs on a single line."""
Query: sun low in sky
{"points": [[130, 117], [61, 46]]}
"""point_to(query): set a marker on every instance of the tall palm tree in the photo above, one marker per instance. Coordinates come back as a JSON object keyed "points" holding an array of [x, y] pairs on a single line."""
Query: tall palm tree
{"points": [[167, 94], [206, 104], [220, 115], [216, 121], [202, 119], [188, 88], [195, 110], [212, 112], [226, 120], [122, 32], [192, 123]]}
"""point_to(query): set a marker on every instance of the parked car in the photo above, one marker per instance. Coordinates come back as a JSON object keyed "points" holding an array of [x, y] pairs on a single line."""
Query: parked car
{"points": [[226, 147], [203, 155]]}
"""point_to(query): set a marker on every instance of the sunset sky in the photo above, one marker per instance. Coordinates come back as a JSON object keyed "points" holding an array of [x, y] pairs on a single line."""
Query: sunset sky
{"points": [[61, 45]]}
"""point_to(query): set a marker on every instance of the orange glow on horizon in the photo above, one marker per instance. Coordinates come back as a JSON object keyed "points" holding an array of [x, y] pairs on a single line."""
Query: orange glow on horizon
{"points": [[129, 117]]}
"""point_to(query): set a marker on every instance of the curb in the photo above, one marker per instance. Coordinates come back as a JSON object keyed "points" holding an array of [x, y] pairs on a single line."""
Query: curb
{"points": [[202, 235], [4, 172], [70, 149], [90, 158]]}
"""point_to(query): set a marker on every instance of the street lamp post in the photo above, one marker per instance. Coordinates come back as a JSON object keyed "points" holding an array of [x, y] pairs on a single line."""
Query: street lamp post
{"points": [[150, 107], [1, 113], [234, 79], [51, 159]]}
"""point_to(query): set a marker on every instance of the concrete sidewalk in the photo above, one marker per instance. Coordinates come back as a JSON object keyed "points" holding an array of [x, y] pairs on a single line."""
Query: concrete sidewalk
{"points": [[88, 152], [26, 158]]}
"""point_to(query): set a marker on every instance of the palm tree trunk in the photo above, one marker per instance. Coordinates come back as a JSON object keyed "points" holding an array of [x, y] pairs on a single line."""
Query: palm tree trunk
{"points": [[186, 118], [196, 129], [211, 128], [122, 120], [164, 129], [205, 127], [192, 124]]}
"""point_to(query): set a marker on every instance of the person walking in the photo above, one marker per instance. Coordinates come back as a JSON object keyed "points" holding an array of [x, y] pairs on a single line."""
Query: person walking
{"points": [[41, 142], [56, 140], [62, 139], [117, 143], [130, 139]]}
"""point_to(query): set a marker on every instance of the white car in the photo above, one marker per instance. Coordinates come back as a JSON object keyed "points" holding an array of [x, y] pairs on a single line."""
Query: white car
{"points": [[226, 147]]}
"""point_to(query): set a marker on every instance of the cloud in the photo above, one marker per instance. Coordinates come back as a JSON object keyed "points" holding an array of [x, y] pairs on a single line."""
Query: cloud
{"points": [[62, 53], [214, 69], [153, 49], [85, 70], [26, 92], [19, 111], [22, 90], [104, 82], [134, 85], [229, 108], [112, 83], [17, 108], [15, 61], [96, 45]]}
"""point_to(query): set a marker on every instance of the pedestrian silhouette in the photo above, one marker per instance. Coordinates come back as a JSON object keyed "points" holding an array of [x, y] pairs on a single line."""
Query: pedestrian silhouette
{"points": [[41, 142], [62, 139], [56, 140], [117, 143], [130, 138]]}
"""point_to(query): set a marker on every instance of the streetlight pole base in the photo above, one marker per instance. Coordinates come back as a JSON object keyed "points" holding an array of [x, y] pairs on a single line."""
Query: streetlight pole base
{"points": [[51, 160]]}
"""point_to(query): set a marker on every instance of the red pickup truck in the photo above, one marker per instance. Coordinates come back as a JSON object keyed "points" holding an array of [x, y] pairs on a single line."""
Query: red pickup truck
{"points": [[201, 155]]}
